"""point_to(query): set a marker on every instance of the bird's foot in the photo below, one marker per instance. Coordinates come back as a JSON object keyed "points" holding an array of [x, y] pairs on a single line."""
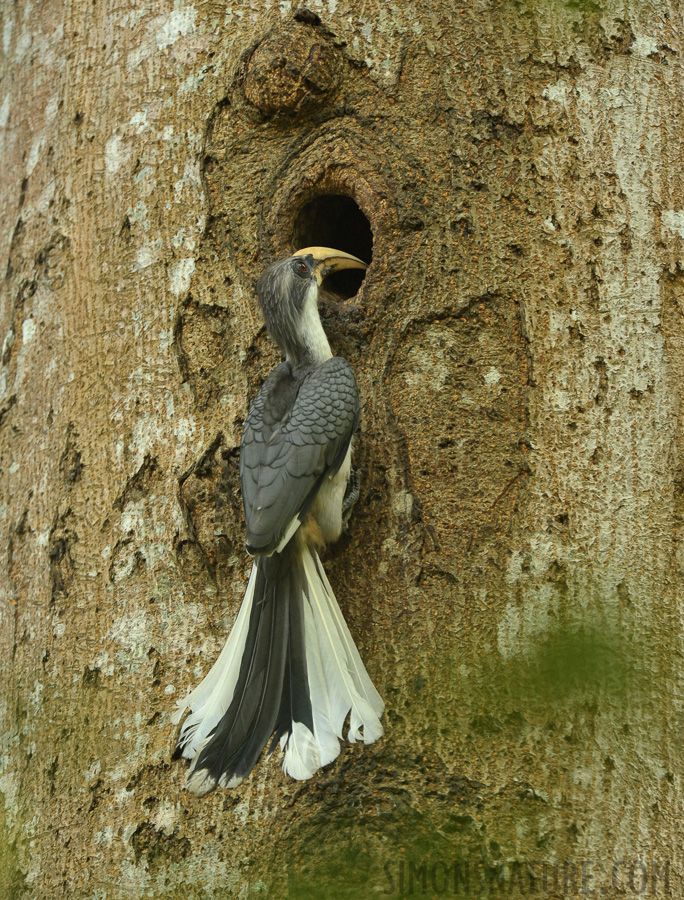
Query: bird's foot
{"points": [[351, 495]]}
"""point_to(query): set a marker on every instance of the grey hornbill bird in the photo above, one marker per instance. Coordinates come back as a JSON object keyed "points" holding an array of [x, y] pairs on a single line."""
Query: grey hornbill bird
{"points": [[290, 669]]}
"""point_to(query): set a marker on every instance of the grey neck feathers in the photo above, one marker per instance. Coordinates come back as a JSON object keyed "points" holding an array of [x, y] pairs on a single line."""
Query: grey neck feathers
{"points": [[295, 327], [314, 343], [303, 340]]}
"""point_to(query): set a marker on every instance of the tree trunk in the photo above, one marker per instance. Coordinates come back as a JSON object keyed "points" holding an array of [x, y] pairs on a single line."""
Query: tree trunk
{"points": [[512, 574]]}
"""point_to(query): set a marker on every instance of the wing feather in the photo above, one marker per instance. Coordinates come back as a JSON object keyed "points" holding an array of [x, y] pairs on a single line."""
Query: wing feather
{"points": [[288, 447]]}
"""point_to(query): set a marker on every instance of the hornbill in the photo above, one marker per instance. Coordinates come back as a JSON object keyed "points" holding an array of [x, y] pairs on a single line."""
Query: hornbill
{"points": [[289, 668]]}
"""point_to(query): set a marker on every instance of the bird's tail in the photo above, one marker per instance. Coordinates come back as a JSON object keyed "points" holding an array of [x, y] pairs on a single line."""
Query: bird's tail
{"points": [[289, 669]]}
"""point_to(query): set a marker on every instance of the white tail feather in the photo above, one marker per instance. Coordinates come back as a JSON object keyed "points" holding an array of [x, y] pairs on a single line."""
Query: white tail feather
{"points": [[348, 688], [337, 679], [321, 704], [302, 757], [308, 752], [212, 697], [338, 683], [372, 728]]}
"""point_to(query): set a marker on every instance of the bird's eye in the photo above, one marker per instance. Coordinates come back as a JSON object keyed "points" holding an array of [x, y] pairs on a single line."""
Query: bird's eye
{"points": [[302, 268]]}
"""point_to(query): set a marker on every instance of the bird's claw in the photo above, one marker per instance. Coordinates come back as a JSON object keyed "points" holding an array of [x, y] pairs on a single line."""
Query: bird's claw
{"points": [[351, 495]]}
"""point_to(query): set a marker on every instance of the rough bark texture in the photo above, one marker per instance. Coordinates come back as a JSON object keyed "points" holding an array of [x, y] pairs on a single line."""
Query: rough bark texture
{"points": [[513, 570]]}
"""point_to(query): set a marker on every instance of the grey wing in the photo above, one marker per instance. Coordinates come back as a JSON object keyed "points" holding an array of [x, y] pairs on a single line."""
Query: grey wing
{"points": [[283, 465], [265, 415]]}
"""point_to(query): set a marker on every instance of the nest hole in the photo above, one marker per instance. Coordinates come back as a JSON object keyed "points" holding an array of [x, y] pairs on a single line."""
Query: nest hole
{"points": [[337, 221]]}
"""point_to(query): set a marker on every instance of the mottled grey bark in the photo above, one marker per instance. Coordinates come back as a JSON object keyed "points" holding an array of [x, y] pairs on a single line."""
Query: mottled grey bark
{"points": [[513, 569]]}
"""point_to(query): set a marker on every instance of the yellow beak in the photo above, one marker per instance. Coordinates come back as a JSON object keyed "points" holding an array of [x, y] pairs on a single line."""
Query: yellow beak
{"points": [[329, 260]]}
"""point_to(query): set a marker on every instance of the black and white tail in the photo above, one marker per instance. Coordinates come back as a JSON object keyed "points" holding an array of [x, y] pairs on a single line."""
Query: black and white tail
{"points": [[289, 669]]}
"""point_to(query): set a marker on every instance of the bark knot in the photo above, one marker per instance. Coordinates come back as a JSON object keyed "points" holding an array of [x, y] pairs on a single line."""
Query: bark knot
{"points": [[291, 70]]}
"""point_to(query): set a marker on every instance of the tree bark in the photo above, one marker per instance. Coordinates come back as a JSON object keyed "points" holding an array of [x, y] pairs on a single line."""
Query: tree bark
{"points": [[512, 574]]}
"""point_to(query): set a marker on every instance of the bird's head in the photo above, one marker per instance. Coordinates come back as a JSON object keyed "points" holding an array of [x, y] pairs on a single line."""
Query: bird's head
{"points": [[288, 294]]}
